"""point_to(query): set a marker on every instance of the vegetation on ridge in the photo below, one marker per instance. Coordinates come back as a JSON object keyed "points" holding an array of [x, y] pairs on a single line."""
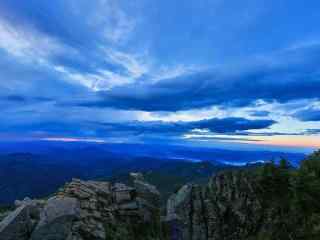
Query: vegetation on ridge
{"points": [[292, 197]]}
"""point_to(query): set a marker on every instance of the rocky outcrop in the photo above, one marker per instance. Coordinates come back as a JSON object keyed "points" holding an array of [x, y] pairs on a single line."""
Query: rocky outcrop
{"points": [[88, 210], [57, 218], [226, 208], [19, 224], [233, 205]]}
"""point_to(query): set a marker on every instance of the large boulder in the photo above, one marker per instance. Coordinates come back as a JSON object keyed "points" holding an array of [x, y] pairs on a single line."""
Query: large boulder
{"points": [[19, 224], [147, 192], [176, 219], [177, 202], [57, 218]]}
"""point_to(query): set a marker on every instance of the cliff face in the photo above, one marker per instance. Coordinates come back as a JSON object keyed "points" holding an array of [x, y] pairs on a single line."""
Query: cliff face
{"points": [[227, 208], [87, 211]]}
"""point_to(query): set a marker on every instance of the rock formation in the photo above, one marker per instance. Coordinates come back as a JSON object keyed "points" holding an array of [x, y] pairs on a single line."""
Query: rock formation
{"points": [[269, 202], [87, 210], [227, 208], [272, 202]]}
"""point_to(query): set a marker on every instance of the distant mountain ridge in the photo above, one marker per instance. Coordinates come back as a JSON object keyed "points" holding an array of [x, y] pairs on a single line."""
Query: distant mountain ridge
{"points": [[36, 169], [126, 150]]}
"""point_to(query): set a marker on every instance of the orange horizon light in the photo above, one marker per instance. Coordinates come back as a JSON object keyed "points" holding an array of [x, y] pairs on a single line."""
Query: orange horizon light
{"points": [[291, 141]]}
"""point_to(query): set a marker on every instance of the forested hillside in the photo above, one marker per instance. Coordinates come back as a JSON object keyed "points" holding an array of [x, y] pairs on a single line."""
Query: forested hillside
{"points": [[266, 203]]}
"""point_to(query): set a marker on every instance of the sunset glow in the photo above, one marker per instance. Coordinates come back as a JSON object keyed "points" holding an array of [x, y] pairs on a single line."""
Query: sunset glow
{"points": [[291, 141]]}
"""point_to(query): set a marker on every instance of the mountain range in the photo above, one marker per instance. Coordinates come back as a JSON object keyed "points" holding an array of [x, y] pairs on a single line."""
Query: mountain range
{"points": [[36, 169]]}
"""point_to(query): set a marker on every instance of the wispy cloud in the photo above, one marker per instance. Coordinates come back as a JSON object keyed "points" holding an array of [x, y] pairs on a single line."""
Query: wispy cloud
{"points": [[134, 65], [64, 139], [27, 44], [104, 18], [115, 23], [172, 72], [127, 69]]}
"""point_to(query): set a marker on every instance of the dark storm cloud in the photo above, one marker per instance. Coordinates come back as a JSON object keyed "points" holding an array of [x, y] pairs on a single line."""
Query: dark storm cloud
{"points": [[286, 76], [224, 125], [312, 131], [260, 113], [308, 115], [151, 128], [20, 99]]}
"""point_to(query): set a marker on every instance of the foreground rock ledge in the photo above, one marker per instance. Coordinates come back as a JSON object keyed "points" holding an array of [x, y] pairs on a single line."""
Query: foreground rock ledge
{"points": [[87, 210]]}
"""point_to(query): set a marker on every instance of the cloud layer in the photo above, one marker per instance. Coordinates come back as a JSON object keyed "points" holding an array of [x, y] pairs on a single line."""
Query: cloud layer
{"points": [[309, 115], [91, 69], [275, 79]]}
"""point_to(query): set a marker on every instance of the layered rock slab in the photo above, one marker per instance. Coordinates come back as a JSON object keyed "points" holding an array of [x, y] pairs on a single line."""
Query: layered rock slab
{"points": [[88, 210], [19, 224]]}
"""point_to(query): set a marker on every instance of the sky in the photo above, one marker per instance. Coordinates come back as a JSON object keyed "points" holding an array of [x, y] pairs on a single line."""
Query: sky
{"points": [[197, 72]]}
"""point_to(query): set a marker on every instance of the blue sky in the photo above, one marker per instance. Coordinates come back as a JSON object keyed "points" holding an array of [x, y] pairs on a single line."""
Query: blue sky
{"points": [[188, 72]]}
